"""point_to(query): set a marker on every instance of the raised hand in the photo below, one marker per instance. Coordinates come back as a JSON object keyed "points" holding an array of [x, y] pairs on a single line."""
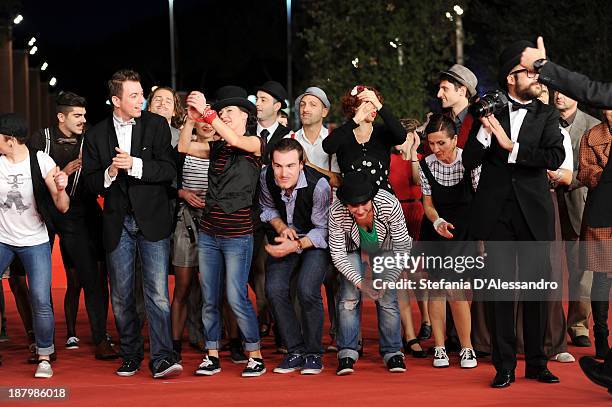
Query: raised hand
{"points": [[196, 105], [368, 95], [530, 55]]}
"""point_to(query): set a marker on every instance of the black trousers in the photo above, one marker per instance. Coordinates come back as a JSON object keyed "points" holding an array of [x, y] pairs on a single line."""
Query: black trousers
{"points": [[514, 255], [79, 241]]}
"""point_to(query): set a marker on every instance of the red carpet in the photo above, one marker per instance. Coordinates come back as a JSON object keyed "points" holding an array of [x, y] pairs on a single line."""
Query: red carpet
{"points": [[93, 383]]}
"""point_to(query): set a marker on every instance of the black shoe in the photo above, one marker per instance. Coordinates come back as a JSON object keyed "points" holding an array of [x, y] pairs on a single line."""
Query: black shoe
{"points": [[395, 364], [360, 347], [264, 330], [209, 366], [415, 353], [128, 368], [581, 341], [503, 378], [595, 371], [424, 332], [166, 369], [481, 354], [345, 366], [542, 374], [255, 367], [238, 356]]}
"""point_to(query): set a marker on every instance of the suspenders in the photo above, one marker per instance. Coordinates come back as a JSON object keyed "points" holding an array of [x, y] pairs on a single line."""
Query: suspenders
{"points": [[77, 174]]}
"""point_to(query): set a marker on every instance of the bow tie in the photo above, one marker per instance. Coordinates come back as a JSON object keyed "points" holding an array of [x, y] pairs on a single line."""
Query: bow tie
{"points": [[130, 122], [516, 106], [67, 140]]}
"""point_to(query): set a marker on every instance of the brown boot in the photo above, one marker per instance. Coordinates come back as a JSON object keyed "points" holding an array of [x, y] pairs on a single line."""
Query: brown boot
{"points": [[104, 351]]}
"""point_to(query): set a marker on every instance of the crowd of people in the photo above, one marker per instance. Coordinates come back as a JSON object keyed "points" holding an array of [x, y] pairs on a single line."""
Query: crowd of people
{"points": [[217, 191]]}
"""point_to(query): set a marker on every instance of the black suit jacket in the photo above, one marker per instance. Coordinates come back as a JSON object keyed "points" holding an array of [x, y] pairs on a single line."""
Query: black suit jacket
{"points": [[577, 86], [280, 132], [148, 197], [540, 148]]}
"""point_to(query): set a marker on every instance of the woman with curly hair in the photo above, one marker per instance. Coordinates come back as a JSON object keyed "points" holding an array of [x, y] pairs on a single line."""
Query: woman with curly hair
{"points": [[359, 144]]}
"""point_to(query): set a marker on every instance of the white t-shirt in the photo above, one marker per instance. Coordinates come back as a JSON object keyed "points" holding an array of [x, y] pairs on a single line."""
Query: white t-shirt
{"points": [[20, 223]]}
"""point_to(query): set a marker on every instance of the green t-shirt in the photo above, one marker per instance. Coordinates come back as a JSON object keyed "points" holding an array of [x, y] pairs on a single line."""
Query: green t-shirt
{"points": [[369, 240]]}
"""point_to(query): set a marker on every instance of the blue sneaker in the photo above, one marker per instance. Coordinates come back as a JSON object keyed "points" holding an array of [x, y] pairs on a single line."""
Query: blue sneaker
{"points": [[291, 363], [312, 365]]}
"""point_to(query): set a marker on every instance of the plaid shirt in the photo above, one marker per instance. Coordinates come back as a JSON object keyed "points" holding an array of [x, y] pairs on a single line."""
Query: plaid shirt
{"points": [[446, 174]]}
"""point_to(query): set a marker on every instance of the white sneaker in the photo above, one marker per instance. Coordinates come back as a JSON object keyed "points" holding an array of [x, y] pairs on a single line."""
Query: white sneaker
{"points": [[72, 343], [44, 369], [440, 358], [563, 357], [468, 358]]}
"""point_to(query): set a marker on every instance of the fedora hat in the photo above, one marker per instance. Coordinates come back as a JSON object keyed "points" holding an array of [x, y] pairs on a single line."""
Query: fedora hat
{"points": [[233, 96], [357, 187], [509, 58], [276, 90]]}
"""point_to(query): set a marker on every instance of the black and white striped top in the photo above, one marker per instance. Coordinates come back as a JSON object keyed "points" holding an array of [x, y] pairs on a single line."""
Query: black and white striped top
{"points": [[391, 229], [195, 174]]}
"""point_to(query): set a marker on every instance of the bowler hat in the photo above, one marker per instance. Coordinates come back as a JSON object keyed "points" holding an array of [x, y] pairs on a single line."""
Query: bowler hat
{"points": [[357, 187], [509, 58], [276, 90], [233, 96]]}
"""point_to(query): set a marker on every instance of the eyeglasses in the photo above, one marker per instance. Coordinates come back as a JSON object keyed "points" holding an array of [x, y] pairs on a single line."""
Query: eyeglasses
{"points": [[530, 74]]}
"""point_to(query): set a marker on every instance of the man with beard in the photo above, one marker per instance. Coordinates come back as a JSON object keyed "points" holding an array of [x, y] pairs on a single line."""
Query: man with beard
{"points": [[513, 204], [79, 243]]}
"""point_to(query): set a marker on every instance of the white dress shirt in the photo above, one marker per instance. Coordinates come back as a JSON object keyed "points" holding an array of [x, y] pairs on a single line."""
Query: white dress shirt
{"points": [[124, 139], [271, 130]]}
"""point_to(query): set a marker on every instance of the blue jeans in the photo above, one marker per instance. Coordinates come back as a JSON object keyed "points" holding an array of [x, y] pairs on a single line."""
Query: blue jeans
{"points": [[226, 259], [310, 267], [155, 262], [37, 264], [349, 318]]}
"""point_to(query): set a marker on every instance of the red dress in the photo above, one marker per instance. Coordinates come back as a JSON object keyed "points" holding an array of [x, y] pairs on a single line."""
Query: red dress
{"points": [[408, 193]]}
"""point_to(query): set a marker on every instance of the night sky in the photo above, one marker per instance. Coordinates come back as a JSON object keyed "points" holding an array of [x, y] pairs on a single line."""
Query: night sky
{"points": [[218, 43]]}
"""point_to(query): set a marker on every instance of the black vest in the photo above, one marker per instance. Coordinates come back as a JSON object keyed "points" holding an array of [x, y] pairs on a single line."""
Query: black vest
{"points": [[233, 187], [303, 201], [598, 210], [44, 202]]}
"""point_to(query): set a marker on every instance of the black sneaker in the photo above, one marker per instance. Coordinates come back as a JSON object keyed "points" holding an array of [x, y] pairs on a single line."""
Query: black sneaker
{"points": [[254, 368], [345, 366], [166, 369], [396, 364], [209, 366], [424, 332], [128, 368], [313, 364], [238, 356]]}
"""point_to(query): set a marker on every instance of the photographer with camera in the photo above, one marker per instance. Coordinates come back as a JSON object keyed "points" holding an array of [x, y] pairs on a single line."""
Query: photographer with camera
{"points": [[515, 146]]}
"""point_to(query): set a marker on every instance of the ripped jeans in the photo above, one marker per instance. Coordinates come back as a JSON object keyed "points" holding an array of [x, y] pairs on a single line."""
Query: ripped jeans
{"points": [[349, 318]]}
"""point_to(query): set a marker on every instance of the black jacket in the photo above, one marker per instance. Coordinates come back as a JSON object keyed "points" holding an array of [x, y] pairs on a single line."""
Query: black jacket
{"points": [[280, 132], [577, 86], [148, 197], [540, 148]]}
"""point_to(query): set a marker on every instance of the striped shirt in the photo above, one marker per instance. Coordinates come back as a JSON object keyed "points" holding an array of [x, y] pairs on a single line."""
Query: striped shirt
{"points": [[390, 227], [218, 223], [446, 174], [195, 174]]}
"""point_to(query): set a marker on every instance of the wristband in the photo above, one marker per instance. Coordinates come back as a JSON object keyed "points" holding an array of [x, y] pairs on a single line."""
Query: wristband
{"points": [[299, 249], [438, 222], [208, 116]]}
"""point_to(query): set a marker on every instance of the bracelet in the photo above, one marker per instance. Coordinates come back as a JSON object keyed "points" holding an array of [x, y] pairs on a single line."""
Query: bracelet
{"points": [[438, 222], [207, 117]]}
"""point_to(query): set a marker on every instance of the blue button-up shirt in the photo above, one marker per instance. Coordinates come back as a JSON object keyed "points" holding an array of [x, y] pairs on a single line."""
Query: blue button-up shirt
{"points": [[320, 207]]}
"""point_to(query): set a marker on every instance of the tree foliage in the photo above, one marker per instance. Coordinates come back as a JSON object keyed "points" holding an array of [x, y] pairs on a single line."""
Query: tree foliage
{"points": [[350, 42]]}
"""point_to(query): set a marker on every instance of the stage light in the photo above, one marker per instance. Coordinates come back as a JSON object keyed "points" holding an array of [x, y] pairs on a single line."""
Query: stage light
{"points": [[33, 50], [18, 19], [53, 81], [32, 41], [44, 66]]}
